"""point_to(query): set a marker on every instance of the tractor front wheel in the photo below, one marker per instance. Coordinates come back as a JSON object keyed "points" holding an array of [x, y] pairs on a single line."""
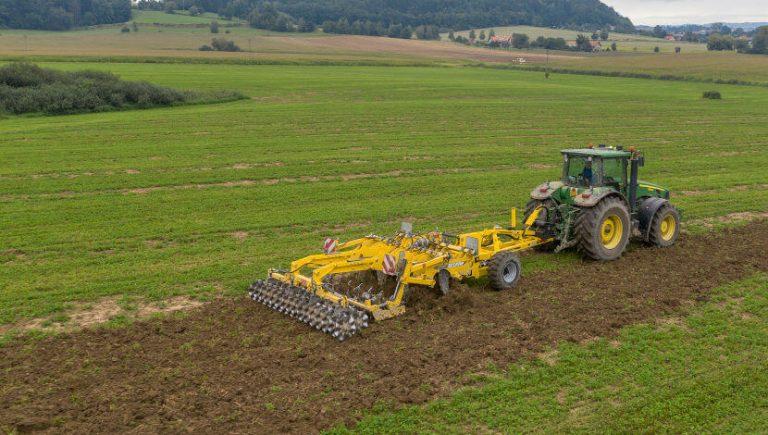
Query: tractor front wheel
{"points": [[603, 230], [665, 226], [504, 270]]}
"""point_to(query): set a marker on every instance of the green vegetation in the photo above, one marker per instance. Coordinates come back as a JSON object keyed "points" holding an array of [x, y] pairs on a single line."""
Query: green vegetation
{"points": [[162, 18], [220, 44], [27, 88], [202, 199], [701, 373], [284, 14], [712, 95], [62, 14]]}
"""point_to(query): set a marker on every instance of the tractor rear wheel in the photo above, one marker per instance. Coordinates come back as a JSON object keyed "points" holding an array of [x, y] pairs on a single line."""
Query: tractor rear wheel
{"points": [[504, 270], [603, 230], [665, 226], [548, 205]]}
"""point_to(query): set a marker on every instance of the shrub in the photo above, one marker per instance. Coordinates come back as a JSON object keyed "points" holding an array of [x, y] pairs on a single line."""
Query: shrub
{"points": [[27, 88], [712, 95], [125, 29], [221, 44]]}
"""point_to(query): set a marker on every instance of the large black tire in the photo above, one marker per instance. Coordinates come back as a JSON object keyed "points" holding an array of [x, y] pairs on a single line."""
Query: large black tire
{"points": [[603, 230], [529, 208], [665, 226], [504, 270]]}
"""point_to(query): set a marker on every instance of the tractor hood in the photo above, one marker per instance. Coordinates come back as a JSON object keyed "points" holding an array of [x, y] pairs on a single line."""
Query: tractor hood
{"points": [[589, 196], [563, 194]]}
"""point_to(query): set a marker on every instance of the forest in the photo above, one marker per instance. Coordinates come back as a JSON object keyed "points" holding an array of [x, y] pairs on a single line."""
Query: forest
{"points": [[62, 14], [446, 14]]}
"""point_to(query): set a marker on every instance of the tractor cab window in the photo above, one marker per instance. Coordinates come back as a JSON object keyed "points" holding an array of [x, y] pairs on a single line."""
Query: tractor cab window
{"points": [[614, 172], [580, 171]]}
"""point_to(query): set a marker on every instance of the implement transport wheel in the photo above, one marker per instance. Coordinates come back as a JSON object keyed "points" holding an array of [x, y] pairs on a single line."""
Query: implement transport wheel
{"points": [[504, 270], [665, 226], [603, 230], [548, 204]]}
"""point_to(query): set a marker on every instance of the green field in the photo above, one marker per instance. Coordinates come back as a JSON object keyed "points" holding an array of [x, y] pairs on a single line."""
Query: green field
{"points": [[202, 199], [179, 17], [702, 373]]}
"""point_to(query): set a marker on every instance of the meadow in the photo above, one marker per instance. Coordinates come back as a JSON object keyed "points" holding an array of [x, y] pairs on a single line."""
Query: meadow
{"points": [[201, 200]]}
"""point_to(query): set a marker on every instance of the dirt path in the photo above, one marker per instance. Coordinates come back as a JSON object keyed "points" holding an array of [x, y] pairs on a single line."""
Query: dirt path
{"points": [[236, 366]]}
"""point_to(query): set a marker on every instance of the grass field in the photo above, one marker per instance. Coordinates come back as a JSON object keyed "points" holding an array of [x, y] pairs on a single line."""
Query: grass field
{"points": [[701, 373], [180, 17], [201, 200]]}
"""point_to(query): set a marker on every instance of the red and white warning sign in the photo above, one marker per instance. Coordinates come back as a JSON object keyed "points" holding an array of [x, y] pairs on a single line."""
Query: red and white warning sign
{"points": [[329, 246], [390, 265]]}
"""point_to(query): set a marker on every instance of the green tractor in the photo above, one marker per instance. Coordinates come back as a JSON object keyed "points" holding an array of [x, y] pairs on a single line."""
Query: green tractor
{"points": [[599, 204]]}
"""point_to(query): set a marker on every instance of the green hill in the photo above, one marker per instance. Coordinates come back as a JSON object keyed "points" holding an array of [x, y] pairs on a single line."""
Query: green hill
{"points": [[456, 14]]}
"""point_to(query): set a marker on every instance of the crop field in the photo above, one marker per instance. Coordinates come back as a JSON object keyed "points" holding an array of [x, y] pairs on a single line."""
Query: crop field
{"points": [[711, 66], [180, 42], [150, 196], [127, 215], [625, 42]]}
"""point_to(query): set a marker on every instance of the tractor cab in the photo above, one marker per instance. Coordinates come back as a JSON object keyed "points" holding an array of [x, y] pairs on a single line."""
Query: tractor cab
{"points": [[601, 167]]}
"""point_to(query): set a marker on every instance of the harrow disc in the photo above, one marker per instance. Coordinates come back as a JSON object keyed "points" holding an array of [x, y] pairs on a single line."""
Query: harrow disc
{"points": [[340, 322]]}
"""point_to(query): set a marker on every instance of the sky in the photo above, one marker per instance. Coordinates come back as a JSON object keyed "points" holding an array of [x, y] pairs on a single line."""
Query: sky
{"points": [[652, 12]]}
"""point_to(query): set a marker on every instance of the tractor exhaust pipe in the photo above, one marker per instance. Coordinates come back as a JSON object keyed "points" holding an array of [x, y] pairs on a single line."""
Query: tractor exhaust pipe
{"points": [[635, 163]]}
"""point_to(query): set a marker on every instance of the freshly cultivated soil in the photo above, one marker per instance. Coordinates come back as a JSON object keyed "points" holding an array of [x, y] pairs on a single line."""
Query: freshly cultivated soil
{"points": [[236, 366]]}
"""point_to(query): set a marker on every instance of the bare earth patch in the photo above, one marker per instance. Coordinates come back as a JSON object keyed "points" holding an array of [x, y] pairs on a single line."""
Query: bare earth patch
{"points": [[83, 315], [240, 235], [732, 218]]}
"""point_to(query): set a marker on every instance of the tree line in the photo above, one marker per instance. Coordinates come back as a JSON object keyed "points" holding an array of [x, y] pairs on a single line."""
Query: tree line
{"points": [[62, 14], [727, 42], [447, 14]]}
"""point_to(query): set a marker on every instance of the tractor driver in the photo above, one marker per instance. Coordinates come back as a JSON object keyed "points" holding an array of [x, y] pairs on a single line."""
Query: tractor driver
{"points": [[586, 174]]}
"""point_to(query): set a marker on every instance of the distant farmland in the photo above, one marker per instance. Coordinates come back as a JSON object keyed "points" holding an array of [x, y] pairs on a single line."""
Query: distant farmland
{"points": [[625, 42]]}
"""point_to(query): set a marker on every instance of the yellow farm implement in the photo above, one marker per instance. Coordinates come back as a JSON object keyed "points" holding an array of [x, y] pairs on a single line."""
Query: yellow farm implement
{"points": [[313, 289]]}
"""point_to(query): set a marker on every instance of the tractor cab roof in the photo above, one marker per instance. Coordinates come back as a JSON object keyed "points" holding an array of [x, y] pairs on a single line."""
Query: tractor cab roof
{"points": [[604, 152]]}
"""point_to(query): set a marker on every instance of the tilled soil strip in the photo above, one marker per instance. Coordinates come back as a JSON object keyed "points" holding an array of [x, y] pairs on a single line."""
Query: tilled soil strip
{"points": [[234, 365]]}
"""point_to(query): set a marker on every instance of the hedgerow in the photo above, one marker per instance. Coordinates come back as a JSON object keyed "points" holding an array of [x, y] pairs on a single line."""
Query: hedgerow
{"points": [[28, 88]]}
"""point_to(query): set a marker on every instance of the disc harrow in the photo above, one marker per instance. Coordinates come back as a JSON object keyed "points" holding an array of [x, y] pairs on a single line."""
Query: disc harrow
{"points": [[323, 290], [328, 317]]}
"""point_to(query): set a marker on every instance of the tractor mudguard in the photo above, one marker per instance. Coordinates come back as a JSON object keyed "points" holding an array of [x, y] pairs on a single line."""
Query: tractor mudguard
{"points": [[646, 211]]}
